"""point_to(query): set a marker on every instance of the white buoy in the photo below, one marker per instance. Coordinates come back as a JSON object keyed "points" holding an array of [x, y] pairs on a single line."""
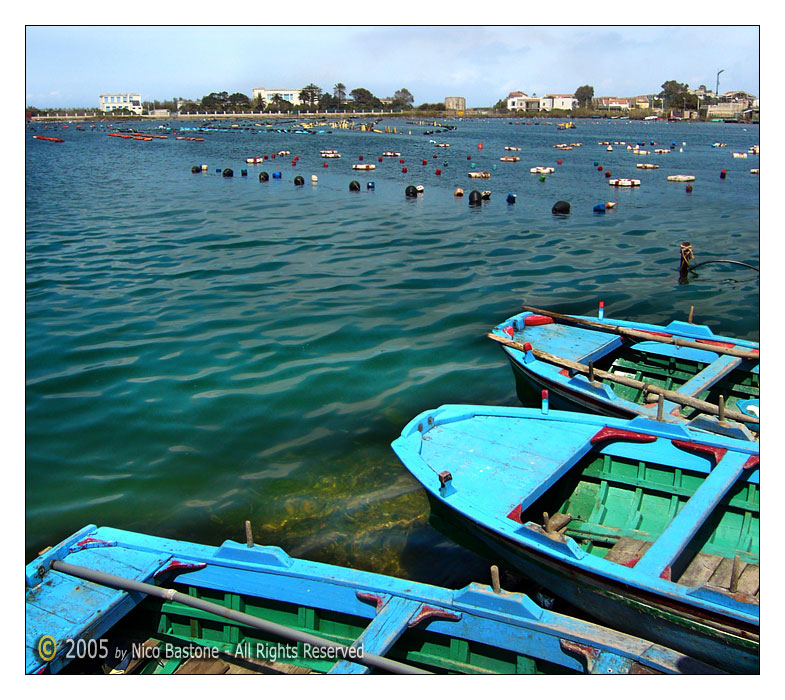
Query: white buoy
{"points": [[314, 179]]}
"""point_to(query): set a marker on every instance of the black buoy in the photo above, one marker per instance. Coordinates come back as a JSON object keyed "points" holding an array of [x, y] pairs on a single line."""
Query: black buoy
{"points": [[411, 191], [196, 170], [561, 207], [511, 198], [354, 186], [244, 172], [263, 176], [299, 180], [475, 197], [228, 172]]}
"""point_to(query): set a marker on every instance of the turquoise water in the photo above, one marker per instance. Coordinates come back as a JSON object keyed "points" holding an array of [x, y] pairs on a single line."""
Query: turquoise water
{"points": [[204, 350]]}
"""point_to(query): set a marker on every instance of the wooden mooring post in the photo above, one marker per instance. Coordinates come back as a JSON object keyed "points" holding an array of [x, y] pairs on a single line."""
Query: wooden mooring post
{"points": [[685, 256]]}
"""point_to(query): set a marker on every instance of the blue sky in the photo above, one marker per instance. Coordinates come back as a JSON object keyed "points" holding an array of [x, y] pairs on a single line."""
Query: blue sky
{"points": [[69, 66]]}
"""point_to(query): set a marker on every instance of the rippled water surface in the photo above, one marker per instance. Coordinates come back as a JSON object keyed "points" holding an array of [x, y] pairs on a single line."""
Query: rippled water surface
{"points": [[203, 350]]}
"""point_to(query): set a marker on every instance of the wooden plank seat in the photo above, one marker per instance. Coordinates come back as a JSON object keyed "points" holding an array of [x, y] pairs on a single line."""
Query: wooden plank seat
{"points": [[704, 569]]}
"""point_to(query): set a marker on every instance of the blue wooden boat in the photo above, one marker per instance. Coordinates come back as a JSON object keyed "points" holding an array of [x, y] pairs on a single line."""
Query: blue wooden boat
{"points": [[682, 372], [648, 526], [256, 609]]}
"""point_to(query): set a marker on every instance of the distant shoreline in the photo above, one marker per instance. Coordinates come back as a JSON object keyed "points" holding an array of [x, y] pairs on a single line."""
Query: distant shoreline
{"points": [[322, 116]]}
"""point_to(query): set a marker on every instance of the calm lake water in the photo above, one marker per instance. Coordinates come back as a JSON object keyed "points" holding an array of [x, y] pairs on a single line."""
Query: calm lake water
{"points": [[204, 350]]}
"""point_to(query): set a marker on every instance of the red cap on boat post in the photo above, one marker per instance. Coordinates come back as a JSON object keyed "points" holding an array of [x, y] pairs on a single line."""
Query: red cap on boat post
{"points": [[601, 314], [545, 406]]}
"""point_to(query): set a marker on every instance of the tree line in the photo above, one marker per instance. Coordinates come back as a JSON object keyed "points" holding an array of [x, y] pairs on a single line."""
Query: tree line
{"points": [[672, 94], [311, 97]]}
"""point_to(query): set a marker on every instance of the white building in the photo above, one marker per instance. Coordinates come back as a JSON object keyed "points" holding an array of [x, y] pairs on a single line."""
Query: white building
{"points": [[129, 100], [289, 95], [550, 102], [521, 101]]}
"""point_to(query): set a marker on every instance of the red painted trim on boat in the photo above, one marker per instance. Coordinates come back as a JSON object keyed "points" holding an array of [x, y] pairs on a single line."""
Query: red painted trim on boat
{"points": [[606, 434], [537, 320], [753, 461], [179, 566], [711, 450]]}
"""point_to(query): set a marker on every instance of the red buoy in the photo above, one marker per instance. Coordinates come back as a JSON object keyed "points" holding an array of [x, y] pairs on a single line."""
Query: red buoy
{"points": [[425, 162], [360, 157], [599, 167], [403, 169], [380, 159], [558, 162], [438, 171], [479, 146]]}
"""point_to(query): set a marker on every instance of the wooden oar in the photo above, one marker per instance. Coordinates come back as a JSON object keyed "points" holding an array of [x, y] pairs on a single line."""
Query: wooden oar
{"points": [[667, 394], [643, 335]]}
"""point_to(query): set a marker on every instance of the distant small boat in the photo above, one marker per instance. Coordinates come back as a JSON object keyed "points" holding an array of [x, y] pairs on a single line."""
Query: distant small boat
{"points": [[248, 608], [482, 174], [363, 166], [49, 138], [647, 526]]}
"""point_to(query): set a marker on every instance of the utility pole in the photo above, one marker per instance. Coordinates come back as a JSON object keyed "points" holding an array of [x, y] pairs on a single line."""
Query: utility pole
{"points": [[717, 91]]}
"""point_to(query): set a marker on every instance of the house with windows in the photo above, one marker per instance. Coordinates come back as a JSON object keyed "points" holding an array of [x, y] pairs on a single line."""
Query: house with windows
{"points": [[131, 101], [612, 104], [551, 102], [288, 94], [521, 101]]}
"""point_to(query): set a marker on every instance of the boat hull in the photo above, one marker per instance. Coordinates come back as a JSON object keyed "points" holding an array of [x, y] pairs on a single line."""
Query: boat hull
{"points": [[652, 511], [471, 630], [735, 650]]}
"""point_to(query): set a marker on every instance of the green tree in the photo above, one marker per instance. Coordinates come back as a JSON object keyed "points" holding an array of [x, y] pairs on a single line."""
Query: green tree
{"points": [[672, 88], [364, 98], [215, 101], [402, 99], [237, 100], [327, 101], [584, 95], [278, 104], [501, 105], [310, 95], [339, 93], [259, 103], [431, 107]]}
